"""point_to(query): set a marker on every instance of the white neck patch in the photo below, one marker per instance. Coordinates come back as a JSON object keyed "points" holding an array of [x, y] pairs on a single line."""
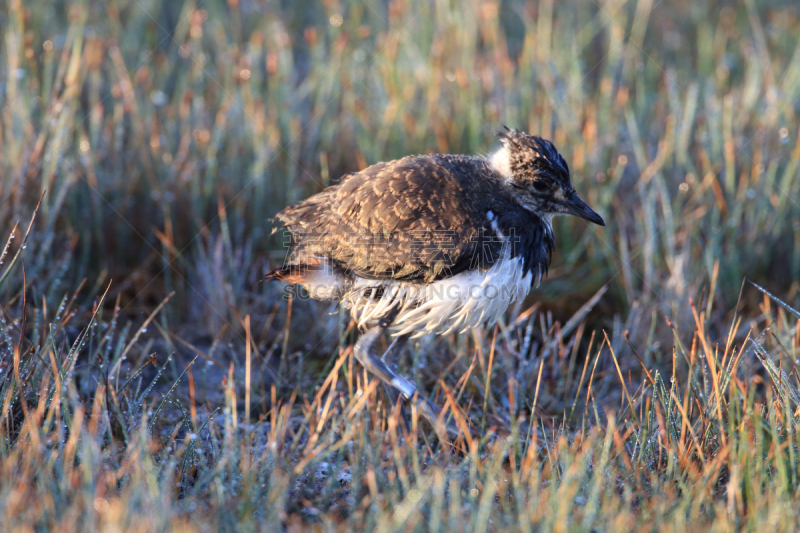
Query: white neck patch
{"points": [[500, 161]]}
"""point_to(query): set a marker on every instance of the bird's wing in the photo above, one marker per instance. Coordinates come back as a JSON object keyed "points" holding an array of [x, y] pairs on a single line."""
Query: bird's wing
{"points": [[417, 218]]}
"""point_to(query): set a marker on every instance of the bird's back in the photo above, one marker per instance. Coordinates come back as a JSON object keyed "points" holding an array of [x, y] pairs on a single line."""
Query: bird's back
{"points": [[416, 218]]}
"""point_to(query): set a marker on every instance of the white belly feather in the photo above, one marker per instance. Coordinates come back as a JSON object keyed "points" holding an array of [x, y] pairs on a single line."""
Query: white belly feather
{"points": [[458, 303]]}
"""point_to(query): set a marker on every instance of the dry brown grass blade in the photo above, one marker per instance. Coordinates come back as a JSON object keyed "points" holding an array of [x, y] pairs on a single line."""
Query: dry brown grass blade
{"points": [[460, 417], [139, 331], [580, 314], [688, 423], [22, 244], [621, 379], [647, 372], [488, 384], [247, 371], [196, 350]]}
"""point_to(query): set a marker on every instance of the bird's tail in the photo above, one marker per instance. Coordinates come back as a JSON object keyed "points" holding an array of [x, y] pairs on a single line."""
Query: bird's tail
{"points": [[273, 275], [293, 274], [285, 273]]}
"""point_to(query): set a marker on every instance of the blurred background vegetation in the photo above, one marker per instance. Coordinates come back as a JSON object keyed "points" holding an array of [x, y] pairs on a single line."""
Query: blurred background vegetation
{"points": [[162, 137], [167, 134]]}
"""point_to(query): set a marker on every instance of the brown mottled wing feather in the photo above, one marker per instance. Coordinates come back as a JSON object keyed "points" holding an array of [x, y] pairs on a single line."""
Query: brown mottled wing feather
{"points": [[417, 218]]}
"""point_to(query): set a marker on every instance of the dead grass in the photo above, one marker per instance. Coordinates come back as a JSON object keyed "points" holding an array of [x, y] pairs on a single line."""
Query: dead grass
{"points": [[150, 382]]}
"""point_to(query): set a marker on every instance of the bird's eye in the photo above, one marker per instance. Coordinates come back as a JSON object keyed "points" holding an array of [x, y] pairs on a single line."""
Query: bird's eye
{"points": [[540, 185]]}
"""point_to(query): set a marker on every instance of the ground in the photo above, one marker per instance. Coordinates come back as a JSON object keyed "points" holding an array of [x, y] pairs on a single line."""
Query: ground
{"points": [[151, 381]]}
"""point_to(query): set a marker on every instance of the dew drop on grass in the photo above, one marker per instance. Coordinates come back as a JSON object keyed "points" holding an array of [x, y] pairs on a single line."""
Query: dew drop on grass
{"points": [[158, 98]]}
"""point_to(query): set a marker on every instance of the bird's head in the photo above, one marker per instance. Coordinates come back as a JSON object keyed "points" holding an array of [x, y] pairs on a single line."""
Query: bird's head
{"points": [[539, 176]]}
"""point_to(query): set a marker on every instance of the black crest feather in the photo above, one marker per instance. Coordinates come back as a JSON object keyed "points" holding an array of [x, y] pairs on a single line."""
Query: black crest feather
{"points": [[531, 154]]}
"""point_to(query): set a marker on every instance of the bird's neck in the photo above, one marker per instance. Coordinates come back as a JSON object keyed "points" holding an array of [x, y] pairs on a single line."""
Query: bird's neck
{"points": [[500, 163]]}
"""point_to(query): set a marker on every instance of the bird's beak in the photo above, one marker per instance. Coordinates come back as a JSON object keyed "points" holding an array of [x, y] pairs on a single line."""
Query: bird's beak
{"points": [[577, 207]]}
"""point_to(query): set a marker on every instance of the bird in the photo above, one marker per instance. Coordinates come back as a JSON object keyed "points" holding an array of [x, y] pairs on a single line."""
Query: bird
{"points": [[431, 244]]}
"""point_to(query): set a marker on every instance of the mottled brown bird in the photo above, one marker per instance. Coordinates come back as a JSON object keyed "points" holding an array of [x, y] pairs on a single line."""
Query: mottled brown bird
{"points": [[431, 243]]}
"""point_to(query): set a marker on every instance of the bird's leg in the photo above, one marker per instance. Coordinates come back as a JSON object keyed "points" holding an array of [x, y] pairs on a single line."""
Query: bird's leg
{"points": [[388, 357], [395, 348], [363, 352]]}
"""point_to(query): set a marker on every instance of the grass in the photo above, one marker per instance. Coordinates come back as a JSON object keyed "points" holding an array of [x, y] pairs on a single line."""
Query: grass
{"points": [[149, 381]]}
